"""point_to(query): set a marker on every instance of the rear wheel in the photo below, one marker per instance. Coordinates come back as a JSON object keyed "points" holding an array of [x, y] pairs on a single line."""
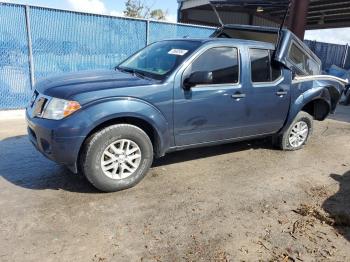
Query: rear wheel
{"points": [[347, 97], [298, 133], [117, 157]]}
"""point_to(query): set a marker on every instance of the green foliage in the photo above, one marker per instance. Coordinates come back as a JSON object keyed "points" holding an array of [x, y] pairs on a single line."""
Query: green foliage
{"points": [[158, 14]]}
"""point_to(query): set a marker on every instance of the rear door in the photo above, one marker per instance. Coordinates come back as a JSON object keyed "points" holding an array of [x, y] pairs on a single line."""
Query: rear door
{"points": [[269, 93]]}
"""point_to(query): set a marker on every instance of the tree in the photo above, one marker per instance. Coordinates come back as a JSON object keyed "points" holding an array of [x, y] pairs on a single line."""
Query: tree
{"points": [[134, 8], [158, 14], [139, 9]]}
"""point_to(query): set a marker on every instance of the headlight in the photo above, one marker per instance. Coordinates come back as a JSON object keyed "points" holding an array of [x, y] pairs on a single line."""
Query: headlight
{"points": [[58, 109]]}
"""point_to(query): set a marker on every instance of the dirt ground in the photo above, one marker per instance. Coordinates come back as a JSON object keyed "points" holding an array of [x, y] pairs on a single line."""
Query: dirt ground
{"points": [[237, 202]]}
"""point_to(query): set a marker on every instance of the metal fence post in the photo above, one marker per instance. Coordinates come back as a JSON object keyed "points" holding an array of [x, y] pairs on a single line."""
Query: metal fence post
{"points": [[148, 32], [30, 47]]}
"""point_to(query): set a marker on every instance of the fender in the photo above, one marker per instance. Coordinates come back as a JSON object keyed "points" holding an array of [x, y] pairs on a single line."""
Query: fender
{"points": [[103, 110], [335, 86], [326, 88]]}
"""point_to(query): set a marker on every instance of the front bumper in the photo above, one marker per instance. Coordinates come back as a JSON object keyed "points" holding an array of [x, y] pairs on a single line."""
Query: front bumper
{"points": [[57, 145]]}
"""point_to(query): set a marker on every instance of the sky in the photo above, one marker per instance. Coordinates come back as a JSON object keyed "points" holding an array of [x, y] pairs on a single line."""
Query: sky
{"points": [[108, 7], [339, 36], [116, 7]]}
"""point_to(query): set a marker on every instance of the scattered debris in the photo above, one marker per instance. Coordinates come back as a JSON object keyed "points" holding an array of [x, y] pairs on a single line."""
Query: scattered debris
{"points": [[306, 210]]}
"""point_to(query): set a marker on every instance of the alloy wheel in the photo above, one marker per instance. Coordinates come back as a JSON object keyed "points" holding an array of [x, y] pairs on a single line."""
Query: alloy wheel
{"points": [[121, 159], [298, 134]]}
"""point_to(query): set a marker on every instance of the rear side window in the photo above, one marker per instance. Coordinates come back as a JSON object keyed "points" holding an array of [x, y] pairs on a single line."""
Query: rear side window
{"points": [[262, 68], [222, 62], [303, 62], [297, 56], [312, 67]]}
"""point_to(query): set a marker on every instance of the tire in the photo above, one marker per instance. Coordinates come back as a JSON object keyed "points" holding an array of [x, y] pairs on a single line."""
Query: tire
{"points": [[347, 98], [105, 161], [287, 141]]}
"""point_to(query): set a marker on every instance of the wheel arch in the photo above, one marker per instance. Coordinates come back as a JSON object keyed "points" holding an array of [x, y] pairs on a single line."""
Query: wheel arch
{"points": [[316, 101], [126, 110], [322, 101], [139, 122], [318, 108]]}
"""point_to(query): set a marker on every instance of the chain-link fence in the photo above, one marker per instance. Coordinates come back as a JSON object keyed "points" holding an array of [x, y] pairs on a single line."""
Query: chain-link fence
{"points": [[14, 64], [38, 42]]}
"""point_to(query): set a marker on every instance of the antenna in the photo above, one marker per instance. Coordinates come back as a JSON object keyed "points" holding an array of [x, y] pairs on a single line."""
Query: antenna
{"points": [[279, 37], [286, 14], [217, 13]]}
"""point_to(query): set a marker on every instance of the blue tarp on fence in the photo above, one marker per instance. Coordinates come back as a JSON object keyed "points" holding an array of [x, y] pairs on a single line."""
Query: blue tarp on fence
{"points": [[75, 41], [14, 65], [330, 54], [65, 41]]}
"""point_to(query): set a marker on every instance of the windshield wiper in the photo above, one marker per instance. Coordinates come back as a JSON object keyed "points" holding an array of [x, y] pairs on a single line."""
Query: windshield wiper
{"points": [[132, 71]]}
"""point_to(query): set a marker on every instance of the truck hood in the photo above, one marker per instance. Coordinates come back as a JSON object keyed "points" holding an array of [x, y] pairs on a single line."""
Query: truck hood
{"points": [[68, 85]]}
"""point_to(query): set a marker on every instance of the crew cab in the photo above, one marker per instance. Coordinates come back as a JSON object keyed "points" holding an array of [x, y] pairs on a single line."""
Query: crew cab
{"points": [[243, 82]]}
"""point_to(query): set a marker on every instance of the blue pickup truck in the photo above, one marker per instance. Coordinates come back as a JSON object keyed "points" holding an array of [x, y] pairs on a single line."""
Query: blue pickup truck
{"points": [[243, 82]]}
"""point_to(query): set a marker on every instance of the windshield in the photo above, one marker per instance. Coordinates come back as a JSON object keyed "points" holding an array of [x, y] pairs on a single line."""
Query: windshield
{"points": [[160, 59]]}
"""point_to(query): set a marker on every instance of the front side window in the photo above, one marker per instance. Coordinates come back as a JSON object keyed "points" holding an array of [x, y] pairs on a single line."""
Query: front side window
{"points": [[222, 62], [160, 59], [262, 67]]}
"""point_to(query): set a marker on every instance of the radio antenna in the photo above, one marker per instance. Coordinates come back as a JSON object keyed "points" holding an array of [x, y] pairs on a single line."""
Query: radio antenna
{"points": [[279, 37], [216, 13]]}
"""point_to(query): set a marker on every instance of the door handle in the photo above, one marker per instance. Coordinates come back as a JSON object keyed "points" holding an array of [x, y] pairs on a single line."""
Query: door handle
{"points": [[238, 96], [281, 93]]}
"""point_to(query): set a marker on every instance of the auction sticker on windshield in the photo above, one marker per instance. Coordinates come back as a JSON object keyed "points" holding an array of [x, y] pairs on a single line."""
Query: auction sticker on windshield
{"points": [[180, 52]]}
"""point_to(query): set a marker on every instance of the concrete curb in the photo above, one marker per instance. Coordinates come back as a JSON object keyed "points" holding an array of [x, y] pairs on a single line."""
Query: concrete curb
{"points": [[12, 114]]}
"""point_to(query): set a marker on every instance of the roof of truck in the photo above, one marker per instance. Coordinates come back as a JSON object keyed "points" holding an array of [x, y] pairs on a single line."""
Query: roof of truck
{"points": [[269, 32], [259, 37], [238, 42], [254, 28]]}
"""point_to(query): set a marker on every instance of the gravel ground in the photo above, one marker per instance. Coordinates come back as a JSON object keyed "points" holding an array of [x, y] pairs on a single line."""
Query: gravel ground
{"points": [[237, 202]]}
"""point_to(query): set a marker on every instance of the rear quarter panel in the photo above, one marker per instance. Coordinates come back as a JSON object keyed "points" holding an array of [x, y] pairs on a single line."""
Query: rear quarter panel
{"points": [[304, 92]]}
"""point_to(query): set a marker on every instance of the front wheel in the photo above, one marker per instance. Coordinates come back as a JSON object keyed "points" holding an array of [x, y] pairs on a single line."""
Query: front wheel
{"points": [[298, 133], [117, 157]]}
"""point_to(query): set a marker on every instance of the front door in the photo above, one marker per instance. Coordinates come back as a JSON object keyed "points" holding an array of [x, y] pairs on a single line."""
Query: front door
{"points": [[213, 111]]}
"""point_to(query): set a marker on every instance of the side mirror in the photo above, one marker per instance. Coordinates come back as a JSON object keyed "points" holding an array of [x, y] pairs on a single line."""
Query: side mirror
{"points": [[198, 78]]}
